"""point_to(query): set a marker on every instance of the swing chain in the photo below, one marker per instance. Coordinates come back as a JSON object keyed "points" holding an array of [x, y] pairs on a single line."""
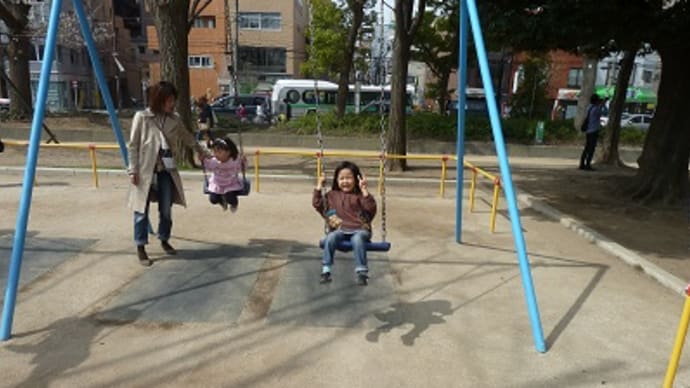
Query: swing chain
{"points": [[382, 122], [319, 134]]}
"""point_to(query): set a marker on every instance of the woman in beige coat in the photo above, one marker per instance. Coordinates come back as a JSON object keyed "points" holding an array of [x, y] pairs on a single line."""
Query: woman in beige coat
{"points": [[152, 169]]}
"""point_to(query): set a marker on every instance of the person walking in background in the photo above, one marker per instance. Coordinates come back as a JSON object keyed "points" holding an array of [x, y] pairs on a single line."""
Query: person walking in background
{"points": [[591, 127], [206, 120], [152, 170], [242, 113]]}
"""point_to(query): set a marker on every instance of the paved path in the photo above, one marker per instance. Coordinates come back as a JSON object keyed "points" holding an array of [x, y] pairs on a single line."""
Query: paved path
{"points": [[241, 304]]}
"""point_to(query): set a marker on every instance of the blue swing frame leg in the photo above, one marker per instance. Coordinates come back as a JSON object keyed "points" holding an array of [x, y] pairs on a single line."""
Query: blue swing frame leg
{"points": [[371, 246]]}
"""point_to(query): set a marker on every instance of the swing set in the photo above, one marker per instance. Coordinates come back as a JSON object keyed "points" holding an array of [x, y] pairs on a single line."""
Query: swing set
{"points": [[468, 12], [346, 245]]}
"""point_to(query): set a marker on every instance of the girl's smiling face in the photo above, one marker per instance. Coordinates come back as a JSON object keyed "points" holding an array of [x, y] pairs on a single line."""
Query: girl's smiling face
{"points": [[221, 154], [346, 180]]}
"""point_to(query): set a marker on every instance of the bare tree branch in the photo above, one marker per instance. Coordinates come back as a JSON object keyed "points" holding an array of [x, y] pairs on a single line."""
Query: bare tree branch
{"points": [[421, 5], [10, 18], [194, 13]]}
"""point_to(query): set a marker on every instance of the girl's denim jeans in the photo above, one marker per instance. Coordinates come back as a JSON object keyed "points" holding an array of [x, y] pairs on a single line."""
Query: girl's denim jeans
{"points": [[164, 190], [359, 239]]}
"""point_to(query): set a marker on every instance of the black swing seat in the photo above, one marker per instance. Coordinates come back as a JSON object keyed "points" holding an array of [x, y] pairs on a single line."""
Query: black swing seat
{"points": [[372, 246]]}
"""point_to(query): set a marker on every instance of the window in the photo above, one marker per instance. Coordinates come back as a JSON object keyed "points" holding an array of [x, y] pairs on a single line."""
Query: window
{"points": [[574, 77], [33, 55], [200, 61], [260, 21], [205, 22], [267, 59], [293, 96], [142, 49]]}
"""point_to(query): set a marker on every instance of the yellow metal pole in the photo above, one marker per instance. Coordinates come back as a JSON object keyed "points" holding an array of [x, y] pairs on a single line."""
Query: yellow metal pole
{"points": [[442, 189], [473, 188], [381, 167], [94, 170], [680, 340], [494, 204], [256, 171]]}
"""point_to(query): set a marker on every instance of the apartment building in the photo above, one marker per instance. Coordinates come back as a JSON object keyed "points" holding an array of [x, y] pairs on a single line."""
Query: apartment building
{"points": [[72, 82], [271, 45]]}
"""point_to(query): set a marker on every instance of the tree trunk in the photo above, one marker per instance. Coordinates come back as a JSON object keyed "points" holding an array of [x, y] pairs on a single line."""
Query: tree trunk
{"points": [[16, 19], [397, 134], [3, 84], [357, 8], [663, 172], [406, 25], [171, 20], [609, 149], [442, 87], [589, 78]]}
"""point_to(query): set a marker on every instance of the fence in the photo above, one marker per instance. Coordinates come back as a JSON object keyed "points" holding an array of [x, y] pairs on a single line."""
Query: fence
{"points": [[443, 159]]}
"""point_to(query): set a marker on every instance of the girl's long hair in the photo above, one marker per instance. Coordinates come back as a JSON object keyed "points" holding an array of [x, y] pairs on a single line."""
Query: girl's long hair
{"points": [[224, 143], [355, 171]]}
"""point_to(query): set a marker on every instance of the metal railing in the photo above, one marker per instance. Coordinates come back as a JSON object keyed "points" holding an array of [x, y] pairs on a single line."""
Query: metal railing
{"points": [[370, 155]]}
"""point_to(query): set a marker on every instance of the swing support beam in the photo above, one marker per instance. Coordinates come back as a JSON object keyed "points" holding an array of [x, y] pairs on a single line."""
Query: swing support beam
{"points": [[468, 10], [34, 141]]}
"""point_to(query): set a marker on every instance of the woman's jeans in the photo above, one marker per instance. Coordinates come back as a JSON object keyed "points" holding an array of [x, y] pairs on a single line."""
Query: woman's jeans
{"points": [[164, 190], [358, 238]]}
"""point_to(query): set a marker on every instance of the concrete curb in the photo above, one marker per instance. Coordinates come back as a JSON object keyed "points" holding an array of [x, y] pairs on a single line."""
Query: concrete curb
{"points": [[628, 256]]}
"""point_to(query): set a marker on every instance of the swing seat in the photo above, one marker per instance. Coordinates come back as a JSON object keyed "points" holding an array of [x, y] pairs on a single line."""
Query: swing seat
{"points": [[371, 246], [244, 191]]}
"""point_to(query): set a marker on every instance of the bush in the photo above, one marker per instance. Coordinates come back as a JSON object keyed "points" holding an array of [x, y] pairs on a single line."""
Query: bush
{"points": [[632, 136], [428, 125]]}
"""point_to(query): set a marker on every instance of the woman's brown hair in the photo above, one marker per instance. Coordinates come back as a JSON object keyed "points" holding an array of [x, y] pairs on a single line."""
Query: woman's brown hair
{"points": [[159, 94]]}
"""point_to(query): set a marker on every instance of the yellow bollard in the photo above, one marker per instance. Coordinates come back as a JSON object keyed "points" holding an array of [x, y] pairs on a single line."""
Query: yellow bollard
{"points": [[473, 188], [494, 204], [94, 171], [680, 340], [381, 167], [444, 163], [256, 171]]}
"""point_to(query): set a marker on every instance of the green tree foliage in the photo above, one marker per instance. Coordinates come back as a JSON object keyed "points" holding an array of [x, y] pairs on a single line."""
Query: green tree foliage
{"points": [[530, 99], [326, 36], [436, 44], [589, 26]]}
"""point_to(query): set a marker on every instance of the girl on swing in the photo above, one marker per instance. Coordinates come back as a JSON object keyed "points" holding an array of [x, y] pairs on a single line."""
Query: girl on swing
{"points": [[348, 209], [225, 167]]}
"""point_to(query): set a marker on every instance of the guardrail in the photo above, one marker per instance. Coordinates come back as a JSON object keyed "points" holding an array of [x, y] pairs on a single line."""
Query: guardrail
{"points": [[476, 171]]}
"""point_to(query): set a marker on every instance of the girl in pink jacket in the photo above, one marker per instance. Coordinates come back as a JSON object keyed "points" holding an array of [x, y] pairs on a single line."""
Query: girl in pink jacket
{"points": [[225, 166]]}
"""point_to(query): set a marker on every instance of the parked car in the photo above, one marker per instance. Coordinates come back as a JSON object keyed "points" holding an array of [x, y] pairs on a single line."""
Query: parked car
{"points": [[227, 107], [639, 120], [604, 120]]}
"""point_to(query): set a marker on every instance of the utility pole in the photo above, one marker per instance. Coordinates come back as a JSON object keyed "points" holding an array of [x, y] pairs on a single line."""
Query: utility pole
{"points": [[228, 45], [235, 48]]}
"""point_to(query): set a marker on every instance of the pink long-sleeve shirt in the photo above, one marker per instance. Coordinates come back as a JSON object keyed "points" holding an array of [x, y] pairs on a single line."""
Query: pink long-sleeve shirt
{"points": [[225, 176]]}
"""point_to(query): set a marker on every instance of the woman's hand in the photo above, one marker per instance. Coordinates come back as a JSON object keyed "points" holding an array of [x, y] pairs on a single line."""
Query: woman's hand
{"points": [[134, 178], [364, 185]]}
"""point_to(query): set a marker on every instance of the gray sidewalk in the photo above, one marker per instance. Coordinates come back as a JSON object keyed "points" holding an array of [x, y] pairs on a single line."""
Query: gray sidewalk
{"points": [[241, 304]]}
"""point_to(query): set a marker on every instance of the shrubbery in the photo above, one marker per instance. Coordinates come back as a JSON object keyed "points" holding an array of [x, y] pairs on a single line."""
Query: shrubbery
{"points": [[427, 125]]}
